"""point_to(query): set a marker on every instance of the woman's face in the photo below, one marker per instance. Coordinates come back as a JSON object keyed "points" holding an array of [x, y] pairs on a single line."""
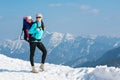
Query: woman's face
{"points": [[39, 18]]}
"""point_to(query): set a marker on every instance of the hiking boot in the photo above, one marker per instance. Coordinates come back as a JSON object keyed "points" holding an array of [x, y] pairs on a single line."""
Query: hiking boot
{"points": [[42, 67], [34, 70]]}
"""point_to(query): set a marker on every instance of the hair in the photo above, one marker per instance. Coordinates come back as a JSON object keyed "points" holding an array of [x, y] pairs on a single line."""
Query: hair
{"points": [[42, 24]]}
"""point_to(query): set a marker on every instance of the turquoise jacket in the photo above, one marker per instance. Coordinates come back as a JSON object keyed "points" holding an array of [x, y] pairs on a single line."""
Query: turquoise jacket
{"points": [[36, 31]]}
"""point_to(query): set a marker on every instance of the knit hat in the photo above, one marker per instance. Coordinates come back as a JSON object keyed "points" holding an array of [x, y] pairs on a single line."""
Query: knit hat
{"points": [[39, 15], [29, 17]]}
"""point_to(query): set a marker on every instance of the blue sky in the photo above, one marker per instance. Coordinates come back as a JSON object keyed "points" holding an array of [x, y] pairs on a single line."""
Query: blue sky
{"points": [[98, 17]]}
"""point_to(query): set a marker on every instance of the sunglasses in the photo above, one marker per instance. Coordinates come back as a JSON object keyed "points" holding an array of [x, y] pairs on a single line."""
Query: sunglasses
{"points": [[38, 17]]}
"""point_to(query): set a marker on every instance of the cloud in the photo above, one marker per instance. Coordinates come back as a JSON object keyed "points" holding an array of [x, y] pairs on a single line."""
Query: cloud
{"points": [[95, 11], [63, 4], [89, 9], [56, 5], [85, 8]]}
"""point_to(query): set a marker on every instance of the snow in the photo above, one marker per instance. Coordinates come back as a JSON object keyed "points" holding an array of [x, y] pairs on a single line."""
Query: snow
{"points": [[15, 69], [90, 42], [56, 39], [69, 37], [12, 45], [116, 44]]}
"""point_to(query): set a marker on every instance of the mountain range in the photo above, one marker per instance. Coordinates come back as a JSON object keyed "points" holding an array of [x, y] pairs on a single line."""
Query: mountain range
{"points": [[70, 50]]}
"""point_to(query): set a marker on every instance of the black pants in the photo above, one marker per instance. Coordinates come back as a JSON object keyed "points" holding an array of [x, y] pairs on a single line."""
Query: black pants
{"points": [[33, 45]]}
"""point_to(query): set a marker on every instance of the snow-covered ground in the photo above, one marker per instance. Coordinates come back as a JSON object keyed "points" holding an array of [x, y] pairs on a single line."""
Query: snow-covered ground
{"points": [[15, 69]]}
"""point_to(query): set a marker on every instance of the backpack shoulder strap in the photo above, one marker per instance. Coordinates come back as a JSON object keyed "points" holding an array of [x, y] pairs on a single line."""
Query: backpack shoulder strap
{"points": [[42, 25], [37, 24]]}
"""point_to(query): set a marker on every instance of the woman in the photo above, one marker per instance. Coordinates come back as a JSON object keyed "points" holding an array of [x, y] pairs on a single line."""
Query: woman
{"points": [[36, 32]]}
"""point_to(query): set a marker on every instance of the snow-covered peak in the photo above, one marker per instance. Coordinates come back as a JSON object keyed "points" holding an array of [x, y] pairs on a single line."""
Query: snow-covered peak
{"points": [[56, 38], [69, 37], [15, 69], [12, 44]]}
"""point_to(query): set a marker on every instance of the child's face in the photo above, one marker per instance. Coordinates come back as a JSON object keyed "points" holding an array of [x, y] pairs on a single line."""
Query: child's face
{"points": [[29, 20]]}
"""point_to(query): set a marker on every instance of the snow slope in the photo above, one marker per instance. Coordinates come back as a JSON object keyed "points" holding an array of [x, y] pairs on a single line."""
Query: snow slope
{"points": [[15, 69]]}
